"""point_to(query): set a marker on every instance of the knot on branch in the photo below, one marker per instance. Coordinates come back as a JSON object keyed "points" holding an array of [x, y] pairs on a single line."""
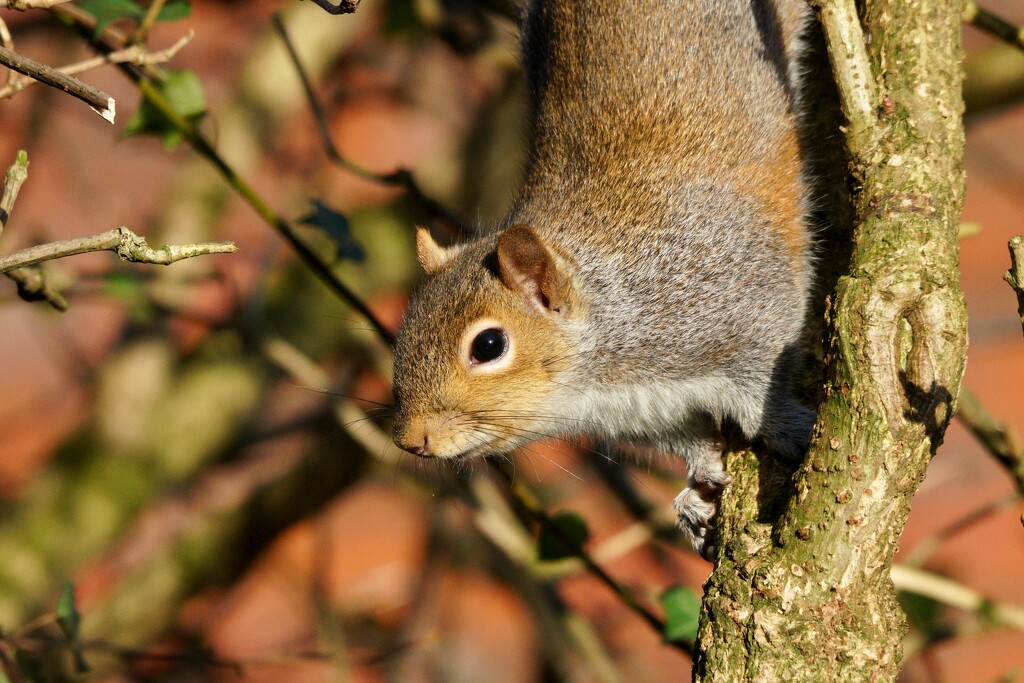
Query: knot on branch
{"points": [[915, 362]]}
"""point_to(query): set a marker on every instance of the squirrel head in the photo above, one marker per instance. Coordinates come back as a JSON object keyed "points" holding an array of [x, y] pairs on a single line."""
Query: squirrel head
{"points": [[481, 344]]}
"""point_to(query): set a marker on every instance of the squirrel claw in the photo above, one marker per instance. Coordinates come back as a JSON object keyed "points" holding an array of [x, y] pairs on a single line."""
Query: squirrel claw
{"points": [[696, 507]]}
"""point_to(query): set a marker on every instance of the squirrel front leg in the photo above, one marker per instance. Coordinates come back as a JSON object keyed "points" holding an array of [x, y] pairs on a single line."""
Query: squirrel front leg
{"points": [[701, 448], [784, 429]]}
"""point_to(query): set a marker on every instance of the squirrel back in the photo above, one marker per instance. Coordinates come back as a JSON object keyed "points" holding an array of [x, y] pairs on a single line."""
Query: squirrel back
{"points": [[651, 278]]}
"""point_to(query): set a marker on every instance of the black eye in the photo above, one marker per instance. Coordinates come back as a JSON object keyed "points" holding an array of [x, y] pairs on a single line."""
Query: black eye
{"points": [[488, 345]]}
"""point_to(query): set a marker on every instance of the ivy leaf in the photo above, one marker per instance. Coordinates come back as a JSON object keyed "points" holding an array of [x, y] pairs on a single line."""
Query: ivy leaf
{"points": [[109, 11], [185, 93], [69, 621], [682, 610], [334, 224], [572, 534]]}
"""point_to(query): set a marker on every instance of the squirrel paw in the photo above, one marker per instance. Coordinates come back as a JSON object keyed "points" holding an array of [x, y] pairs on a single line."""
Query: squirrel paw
{"points": [[696, 507]]}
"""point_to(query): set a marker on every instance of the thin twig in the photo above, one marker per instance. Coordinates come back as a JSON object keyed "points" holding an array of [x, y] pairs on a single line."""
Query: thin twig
{"points": [[23, 5], [1015, 275], [135, 54], [140, 34], [533, 507], [122, 241], [998, 438], [400, 178], [144, 78], [955, 594], [32, 285], [992, 24], [101, 102], [497, 522], [7, 40], [858, 94], [343, 6], [205, 149]]}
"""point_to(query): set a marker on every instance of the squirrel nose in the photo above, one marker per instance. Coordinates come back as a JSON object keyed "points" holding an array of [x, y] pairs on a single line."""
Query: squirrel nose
{"points": [[412, 444], [422, 450]]}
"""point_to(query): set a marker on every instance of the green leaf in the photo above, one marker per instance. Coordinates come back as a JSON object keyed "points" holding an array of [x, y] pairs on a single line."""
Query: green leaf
{"points": [[924, 614], [109, 11], [67, 612], [682, 610], [184, 91], [401, 18], [173, 10], [69, 621], [571, 534], [334, 224]]}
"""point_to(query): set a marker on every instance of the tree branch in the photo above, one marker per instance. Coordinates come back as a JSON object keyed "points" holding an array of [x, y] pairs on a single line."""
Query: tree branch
{"points": [[954, 594], [399, 178], [125, 243], [844, 39], [807, 595], [102, 103], [997, 437], [23, 5], [135, 54], [32, 285]]}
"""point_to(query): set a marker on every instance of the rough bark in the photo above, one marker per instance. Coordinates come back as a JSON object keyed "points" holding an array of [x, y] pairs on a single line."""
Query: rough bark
{"points": [[801, 588]]}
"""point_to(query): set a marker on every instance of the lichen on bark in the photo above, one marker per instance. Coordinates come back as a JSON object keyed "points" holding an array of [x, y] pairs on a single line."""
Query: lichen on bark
{"points": [[801, 587]]}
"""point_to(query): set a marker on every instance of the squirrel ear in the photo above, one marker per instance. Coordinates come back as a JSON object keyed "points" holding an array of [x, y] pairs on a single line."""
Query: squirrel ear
{"points": [[431, 255], [527, 266]]}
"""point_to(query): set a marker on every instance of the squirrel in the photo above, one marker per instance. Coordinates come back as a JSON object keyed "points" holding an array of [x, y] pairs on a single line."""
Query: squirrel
{"points": [[652, 276]]}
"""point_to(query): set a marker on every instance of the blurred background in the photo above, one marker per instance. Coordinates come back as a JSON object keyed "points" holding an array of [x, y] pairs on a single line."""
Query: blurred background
{"points": [[201, 450]]}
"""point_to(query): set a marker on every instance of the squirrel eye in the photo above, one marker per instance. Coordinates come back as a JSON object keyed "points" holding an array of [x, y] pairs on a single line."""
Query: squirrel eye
{"points": [[488, 345]]}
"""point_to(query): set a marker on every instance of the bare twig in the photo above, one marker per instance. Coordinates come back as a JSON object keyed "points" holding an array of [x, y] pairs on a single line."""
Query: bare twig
{"points": [[100, 101], [144, 77], [343, 6], [400, 178], [32, 285], [1015, 275], [532, 506], [122, 241], [135, 54], [984, 20], [955, 594], [858, 93], [7, 40], [23, 5], [998, 438], [140, 33]]}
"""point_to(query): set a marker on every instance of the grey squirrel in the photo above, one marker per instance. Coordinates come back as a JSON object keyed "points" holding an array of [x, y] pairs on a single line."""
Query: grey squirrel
{"points": [[652, 277]]}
